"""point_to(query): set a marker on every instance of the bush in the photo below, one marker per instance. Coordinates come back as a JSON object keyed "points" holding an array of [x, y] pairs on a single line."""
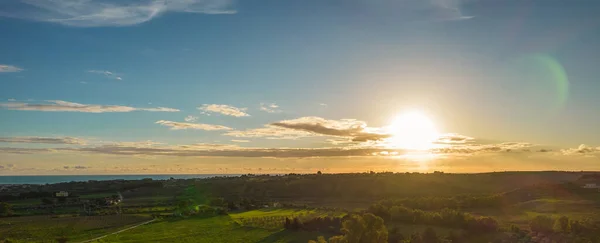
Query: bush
{"points": [[542, 224]]}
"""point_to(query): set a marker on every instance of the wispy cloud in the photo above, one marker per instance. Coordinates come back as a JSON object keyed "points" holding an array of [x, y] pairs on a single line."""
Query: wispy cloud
{"points": [[9, 68], [479, 148], [224, 110], [191, 118], [453, 138], [77, 167], [197, 126], [448, 10], [229, 150], [240, 141], [87, 13], [107, 74], [65, 106], [269, 107], [45, 140], [354, 130], [269, 132], [582, 149], [351, 128]]}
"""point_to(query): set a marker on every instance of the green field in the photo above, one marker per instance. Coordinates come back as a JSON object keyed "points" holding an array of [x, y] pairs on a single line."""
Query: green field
{"points": [[217, 229], [78, 228]]}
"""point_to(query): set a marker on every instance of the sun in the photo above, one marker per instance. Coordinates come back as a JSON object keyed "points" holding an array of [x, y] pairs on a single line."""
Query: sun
{"points": [[412, 130]]}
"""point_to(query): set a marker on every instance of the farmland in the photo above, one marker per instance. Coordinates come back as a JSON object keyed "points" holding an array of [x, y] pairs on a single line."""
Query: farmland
{"points": [[261, 209]]}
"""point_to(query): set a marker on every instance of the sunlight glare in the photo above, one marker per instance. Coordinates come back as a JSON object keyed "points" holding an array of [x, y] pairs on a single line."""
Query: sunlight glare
{"points": [[412, 131]]}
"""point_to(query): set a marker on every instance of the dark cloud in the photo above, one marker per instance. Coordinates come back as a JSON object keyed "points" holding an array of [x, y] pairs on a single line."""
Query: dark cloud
{"points": [[356, 130]]}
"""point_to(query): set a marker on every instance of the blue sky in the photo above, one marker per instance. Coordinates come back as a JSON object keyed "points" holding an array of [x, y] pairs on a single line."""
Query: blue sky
{"points": [[509, 75]]}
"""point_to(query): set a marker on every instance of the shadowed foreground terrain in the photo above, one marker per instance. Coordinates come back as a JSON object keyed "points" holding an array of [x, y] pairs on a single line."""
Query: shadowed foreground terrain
{"points": [[362, 207]]}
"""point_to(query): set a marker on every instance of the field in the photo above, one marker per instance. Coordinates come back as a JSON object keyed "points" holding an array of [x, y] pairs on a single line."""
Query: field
{"points": [[48, 229], [218, 229], [299, 208]]}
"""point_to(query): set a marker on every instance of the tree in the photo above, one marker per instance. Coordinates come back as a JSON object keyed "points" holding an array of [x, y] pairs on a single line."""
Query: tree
{"points": [[47, 201], [562, 225], [5, 209], [320, 239], [541, 224], [429, 236], [338, 239], [367, 228], [319, 173]]}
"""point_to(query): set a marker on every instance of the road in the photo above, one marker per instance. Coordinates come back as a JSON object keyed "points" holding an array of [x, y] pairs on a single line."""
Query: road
{"points": [[114, 233]]}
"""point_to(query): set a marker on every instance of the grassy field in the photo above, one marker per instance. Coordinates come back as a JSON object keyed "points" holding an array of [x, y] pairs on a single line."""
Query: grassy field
{"points": [[47, 228], [218, 229]]}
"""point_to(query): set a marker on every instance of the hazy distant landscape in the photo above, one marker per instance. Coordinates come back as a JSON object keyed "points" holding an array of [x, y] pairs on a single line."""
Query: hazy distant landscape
{"points": [[379, 207]]}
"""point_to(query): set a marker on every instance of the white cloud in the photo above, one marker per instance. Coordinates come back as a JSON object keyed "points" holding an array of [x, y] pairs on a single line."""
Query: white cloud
{"points": [[107, 74], [269, 132], [240, 141], [269, 107], [582, 149], [95, 13], [65, 106], [224, 110], [322, 104], [191, 118], [197, 126], [9, 69], [46, 140]]}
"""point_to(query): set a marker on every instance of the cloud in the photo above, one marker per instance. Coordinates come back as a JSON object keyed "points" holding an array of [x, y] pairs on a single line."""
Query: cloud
{"points": [[7, 167], [453, 138], [197, 126], [224, 110], [45, 140], [351, 128], [269, 132], [229, 150], [322, 104], [448, 10], [65, 106], [240, 141], [107, 74], [354, 130], [191, 118], [77, 167], [269, 107], [9, 69], [88, 13], [12, 100], [479, 148], [582, 149]]}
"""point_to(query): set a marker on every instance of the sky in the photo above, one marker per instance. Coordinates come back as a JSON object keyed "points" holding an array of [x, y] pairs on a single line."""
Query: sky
{"points": [[280, 86]]}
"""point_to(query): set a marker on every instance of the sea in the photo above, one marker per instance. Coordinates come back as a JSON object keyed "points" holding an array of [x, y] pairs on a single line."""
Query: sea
{"points": [[51, 179]]}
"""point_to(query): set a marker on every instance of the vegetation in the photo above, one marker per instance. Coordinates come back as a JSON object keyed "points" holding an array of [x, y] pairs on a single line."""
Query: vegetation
{"points": [[342, 208]]}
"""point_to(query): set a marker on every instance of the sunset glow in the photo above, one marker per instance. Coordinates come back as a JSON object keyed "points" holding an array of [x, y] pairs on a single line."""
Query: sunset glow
{"points": [[412, 131]]}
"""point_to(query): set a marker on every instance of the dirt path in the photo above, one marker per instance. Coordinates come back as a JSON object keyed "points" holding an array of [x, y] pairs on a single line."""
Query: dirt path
{"points": [[114, 233]]}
